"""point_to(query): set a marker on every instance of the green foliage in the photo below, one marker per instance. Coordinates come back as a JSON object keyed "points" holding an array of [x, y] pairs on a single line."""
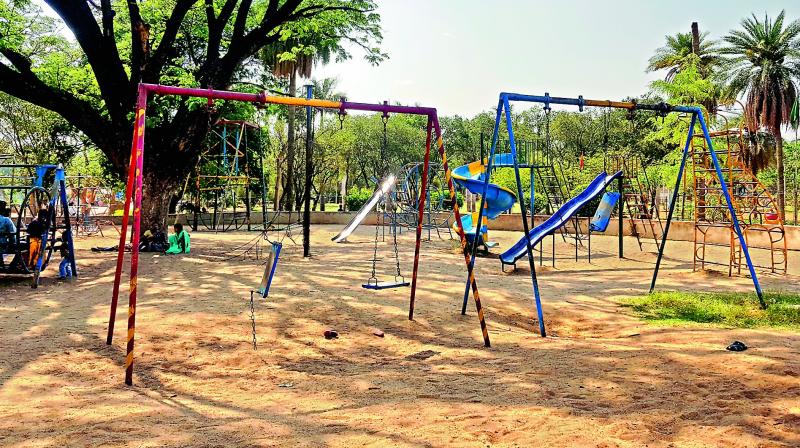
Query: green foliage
{"points": [[762, 62], [677, 54], [35, 135], [357, 197], [443, 197], [739, 310]]}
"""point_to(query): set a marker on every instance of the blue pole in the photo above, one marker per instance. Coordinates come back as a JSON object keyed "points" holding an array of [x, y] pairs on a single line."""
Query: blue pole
{"points": [[236, 155], [734, 219], [66, 235], [486, 175], [534, 281], [672, 203], [225, 148]]}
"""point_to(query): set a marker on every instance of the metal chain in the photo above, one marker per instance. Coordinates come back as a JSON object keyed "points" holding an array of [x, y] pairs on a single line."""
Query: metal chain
{"points": [[375, 250], [253, 320], [394, 241]]}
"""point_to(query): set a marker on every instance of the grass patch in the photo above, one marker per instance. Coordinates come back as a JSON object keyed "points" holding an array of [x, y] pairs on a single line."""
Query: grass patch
{"points": [[739, 310]]}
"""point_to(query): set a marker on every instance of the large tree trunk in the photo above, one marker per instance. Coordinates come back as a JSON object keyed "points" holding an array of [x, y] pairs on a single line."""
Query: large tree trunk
{"points": [[781, 196], [170, 153], [291, 144]]}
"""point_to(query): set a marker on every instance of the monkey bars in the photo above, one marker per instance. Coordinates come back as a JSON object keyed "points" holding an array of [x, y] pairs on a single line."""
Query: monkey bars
{"points": [[504, 107], [133, 190]]}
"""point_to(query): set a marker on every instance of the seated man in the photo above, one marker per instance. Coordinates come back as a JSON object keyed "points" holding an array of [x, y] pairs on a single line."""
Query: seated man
{"points": [[8, 231], [178, 241]]}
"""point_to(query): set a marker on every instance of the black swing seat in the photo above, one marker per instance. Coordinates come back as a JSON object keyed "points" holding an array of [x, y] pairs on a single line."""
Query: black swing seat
{"points": [[386, 285]]}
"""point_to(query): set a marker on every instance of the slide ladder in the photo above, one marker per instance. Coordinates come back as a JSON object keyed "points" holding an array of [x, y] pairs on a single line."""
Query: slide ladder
{"points": [[556, 196]]}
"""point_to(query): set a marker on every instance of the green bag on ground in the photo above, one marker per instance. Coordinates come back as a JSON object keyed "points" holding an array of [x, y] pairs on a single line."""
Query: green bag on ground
{"points": [[174, 243]]}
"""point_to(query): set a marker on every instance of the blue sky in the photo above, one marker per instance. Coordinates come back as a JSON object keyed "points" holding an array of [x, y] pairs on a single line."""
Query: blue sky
{"points": [[457, 55]]}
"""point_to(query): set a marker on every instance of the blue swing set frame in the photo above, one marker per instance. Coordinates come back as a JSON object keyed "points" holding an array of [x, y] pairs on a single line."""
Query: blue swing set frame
{"points": [[504, 110]]}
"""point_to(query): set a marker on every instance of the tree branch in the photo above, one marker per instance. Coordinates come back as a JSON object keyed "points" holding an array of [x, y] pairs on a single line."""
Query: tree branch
{"points": [[241, 19], [101, 53], [25, 85], [165, 47], [140, 42]]}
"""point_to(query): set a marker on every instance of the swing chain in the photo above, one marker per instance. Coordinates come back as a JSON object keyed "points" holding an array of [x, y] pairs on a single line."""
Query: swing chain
{"points": [[253, 320], [394, 241]]}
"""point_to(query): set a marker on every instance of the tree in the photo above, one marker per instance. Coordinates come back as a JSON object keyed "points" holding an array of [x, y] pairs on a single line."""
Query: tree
{"points": [[674, 56], [762, 62], [34, 135], [119, 44]]}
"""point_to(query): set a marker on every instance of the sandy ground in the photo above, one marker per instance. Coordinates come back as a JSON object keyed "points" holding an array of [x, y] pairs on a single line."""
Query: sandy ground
{"points": [[603, 378]]}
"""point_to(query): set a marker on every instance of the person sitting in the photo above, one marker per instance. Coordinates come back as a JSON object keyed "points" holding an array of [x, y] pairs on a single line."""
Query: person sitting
{"points": [[65, 267], [153, 240], [8, 232], [36, 231], [178, 241]]}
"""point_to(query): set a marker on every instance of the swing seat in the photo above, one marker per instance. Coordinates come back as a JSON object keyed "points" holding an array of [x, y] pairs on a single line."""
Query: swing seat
{"points": [[376, 285]]}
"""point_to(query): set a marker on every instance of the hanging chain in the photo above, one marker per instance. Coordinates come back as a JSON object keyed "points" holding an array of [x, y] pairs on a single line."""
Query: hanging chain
{"points": [[606, 120], [375, 249], [253, 320], [547, 133], [394, 241]]}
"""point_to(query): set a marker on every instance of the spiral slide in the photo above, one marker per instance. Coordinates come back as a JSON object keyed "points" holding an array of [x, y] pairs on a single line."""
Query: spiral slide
{"points": [[561, 216], [498, 199]]}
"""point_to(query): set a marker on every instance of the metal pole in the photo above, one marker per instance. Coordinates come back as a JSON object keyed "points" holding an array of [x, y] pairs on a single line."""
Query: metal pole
{"points": [[672, 202], [522, 208], [309, 175], [477, 224], [420, 209], [734, 219], [460, 230], [123, 232], [620, 212], [140, 125]]}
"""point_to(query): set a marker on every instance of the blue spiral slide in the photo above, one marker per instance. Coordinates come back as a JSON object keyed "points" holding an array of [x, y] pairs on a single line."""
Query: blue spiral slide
{"points": [[498, 199], [559, 218]]}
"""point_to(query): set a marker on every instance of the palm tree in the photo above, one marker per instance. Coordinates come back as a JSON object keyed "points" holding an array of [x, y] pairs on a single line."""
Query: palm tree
{"points": [[761, 63], [674, 56], [289, 59]]}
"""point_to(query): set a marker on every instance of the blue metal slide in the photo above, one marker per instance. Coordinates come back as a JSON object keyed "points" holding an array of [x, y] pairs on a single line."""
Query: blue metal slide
{"points": [[561, 216]]}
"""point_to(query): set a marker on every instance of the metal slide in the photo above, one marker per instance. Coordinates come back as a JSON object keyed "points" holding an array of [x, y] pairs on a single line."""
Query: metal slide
{"points": [[386, 185], [559, 218]]}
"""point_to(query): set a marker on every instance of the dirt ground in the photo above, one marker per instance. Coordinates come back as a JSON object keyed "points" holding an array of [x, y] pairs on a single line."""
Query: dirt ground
{"points": [[602, 378]]}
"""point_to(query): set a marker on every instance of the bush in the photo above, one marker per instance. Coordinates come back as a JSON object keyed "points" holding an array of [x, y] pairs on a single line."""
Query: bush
{"points": [[444, 197], [357, 198]]}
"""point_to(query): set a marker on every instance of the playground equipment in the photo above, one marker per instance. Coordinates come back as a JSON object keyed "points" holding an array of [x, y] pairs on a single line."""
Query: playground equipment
{"points": [[696, 113], [226, 174], [438, 210], [558, 219], [639, 204], [133, 193], [399, 280], [546, 170], [384, 188], [27, 195], [91, 204], [496, 200], [602, 217], [754, 206]]}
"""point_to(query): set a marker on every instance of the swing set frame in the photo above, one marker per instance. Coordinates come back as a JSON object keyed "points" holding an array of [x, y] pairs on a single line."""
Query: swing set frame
{"points": [[133, 191], [504, 110]]}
